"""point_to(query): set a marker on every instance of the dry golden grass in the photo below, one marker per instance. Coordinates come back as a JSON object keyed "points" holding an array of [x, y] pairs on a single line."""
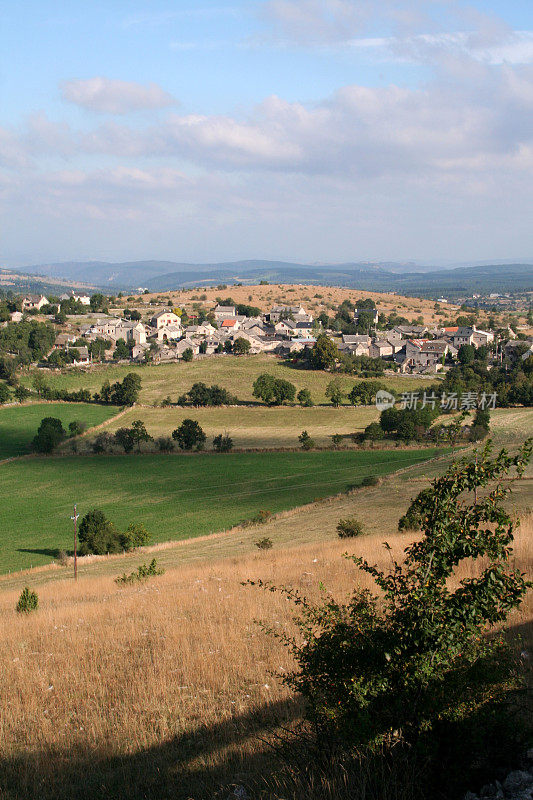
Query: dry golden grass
{"points": [[314, 298], [168, 683]]}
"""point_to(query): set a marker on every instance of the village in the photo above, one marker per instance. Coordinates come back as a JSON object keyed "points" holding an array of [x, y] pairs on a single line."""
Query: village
{"points": [[289, 331]]}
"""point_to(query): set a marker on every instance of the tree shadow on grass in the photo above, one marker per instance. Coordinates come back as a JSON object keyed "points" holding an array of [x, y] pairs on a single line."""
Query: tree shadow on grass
{"points": [[192, 766], [44, 551]]}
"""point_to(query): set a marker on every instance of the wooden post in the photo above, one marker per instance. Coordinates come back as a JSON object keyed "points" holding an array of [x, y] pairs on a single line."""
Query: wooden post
{"points": [[75, 518]]}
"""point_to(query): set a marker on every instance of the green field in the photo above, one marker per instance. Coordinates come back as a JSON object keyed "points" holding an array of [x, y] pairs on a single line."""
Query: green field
{"points": [[176, 496], [19, 424], [257, 426], [234, 373]]}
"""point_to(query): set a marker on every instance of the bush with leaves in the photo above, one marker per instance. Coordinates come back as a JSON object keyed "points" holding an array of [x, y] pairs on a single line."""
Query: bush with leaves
{"points": [[125, 438], [334, 392], [97, 535], [49, 434], [364, 392], [336, 440], [164, 444], [141, 574], [28, 601], [103, 442], [189, 435], [273, 391], [21, 393], [349, 528], [76, 428], [202, 395], [223, 443], [5, 394], [387, 669], [134, 536], [306, 441], [304, 398]]}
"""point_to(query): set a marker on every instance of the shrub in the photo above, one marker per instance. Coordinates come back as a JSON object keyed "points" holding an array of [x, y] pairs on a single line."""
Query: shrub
{"points": [[134, 536], [141, 574], [412, 663], [348, 528], [166, 401], [374, 432], [223, 443], [28, 601], [306, 441], [370, 480], [201, 395], [76, 428], [260, 518], [336, 440], [5, 394], [164, 444], [102, 443], [304, 398], [21, 393], [264, 544]]}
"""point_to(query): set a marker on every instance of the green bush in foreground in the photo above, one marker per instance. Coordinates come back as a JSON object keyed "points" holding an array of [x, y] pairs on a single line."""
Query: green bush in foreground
{"points": [[412, 666], [28, 601]]}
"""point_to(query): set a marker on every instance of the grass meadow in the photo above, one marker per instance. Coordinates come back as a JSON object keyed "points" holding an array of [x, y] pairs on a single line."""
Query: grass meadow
{"points": [[170, 689], [234, 373], [257, 426], [19, 424], [175, 496]]}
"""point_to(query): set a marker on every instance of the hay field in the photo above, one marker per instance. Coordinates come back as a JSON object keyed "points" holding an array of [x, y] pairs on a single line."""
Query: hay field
{"points": [[234, 373], [169, 689], [257, 426]]}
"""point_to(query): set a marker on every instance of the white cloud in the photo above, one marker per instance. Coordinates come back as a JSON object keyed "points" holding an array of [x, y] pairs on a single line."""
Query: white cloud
{"points": [[470, 114], [108, 96]]}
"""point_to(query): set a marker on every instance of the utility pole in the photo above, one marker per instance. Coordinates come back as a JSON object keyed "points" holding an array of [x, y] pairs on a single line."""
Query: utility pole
{"points": [[75, 519]]}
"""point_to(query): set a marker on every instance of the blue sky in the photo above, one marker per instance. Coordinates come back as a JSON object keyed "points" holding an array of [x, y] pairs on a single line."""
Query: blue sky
{"points": [[316, 130]]}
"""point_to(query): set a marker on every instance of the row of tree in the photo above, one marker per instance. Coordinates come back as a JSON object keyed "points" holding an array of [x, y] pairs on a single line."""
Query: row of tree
{"points": [[188, 436]]}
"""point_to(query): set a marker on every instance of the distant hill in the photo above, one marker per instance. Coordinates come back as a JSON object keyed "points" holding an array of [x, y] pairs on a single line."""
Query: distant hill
{"points": [[404, 278], [20, 281]]}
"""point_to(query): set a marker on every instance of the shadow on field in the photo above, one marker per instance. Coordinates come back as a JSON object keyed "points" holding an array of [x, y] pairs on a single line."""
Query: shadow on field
{"points": [[44, 551], [206, 763], [192, 766]]}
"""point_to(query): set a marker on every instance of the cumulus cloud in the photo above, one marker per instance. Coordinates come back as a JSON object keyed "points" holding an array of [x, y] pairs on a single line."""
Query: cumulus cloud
{"points": [[454, 123], [451, 158], [108, 96]]}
